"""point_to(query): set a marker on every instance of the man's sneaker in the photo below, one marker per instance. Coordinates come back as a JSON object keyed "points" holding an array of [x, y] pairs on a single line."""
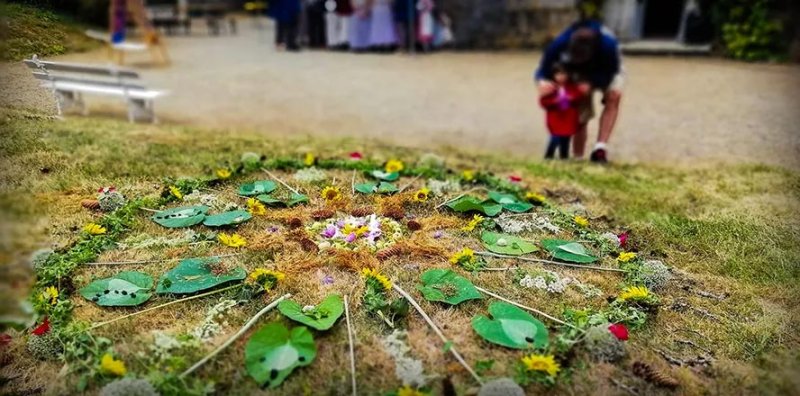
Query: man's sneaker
{"points": [[599, 156]]}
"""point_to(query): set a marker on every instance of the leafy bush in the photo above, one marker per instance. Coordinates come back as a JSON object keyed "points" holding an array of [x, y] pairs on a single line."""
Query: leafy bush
{"points": [[749, 31]]}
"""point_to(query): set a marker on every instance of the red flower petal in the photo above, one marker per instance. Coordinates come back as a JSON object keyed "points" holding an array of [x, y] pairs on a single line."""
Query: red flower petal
{"points": [[623, 239], [515, 179], [356, 156], [5, 339], [619, 330], [42, 328]]}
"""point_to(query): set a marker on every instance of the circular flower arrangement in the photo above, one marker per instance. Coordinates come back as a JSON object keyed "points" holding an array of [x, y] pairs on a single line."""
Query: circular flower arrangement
{"points": [[356, 233]]}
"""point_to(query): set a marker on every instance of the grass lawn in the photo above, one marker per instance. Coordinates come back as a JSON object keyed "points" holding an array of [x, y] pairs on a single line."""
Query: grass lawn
{"points": [[731, 234]]}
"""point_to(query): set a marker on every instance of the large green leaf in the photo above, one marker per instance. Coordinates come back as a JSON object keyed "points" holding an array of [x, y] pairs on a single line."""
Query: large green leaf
{"points": [[293, 200], [197, 274], [469, 203], [321, 317], [510, 327], [233, 217], [386, 176], [510, 202], [507, 244], [568, 251], [257, 187], [446, 286], [272, 353], [184, 216], [376, 188], [121, 290]]}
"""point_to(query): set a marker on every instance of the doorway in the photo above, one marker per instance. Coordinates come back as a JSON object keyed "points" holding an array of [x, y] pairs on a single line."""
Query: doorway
{"points": [[662, 18]]}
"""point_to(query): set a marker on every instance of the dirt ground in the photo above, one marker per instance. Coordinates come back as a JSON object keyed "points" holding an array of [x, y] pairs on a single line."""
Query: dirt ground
{"points": [[674, 109]]}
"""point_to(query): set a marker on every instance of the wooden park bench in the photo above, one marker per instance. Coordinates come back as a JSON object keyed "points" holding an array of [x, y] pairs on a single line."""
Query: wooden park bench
{"points": [[69, 81]]}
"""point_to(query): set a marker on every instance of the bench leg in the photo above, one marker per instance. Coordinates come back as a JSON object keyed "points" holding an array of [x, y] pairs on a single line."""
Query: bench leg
{"points": [[140, 109], [66, 100]]}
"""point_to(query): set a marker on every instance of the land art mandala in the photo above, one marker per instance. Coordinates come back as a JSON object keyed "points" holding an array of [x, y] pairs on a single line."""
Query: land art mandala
{"points": [[293, 248]]}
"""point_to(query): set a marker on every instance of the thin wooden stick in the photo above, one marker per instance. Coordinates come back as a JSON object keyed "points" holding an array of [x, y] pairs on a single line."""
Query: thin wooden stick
{"points": [[280, 181], [408, 184], [498, 269], [352, 348], [353, 182], [234, 337], [536, 260], [101, 324], [437, 331], [155, 260], [534, 310], [459, 196]]}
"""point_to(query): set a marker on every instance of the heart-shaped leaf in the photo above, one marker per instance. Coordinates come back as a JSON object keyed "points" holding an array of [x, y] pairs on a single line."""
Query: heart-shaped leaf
{"points": [[376, 188], [510, 327], [197, 274], [293, 200], [184, 216], [272, 353], [568, 251], [469, 203], [507, 244], [320, 317], [386, 176], [257, 187], [121, 290], [234, 217], [446, 286], [518, 207], [510, 202]]}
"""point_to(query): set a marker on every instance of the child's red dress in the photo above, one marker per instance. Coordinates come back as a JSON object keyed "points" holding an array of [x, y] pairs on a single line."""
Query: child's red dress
{"points": [[563, 114]]}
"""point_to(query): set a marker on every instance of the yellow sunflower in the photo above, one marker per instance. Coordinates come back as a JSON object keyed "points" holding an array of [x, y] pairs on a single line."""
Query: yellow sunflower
{"points": [[465, 255], [369, 273], [543, 363], [309, 159], [50, 293], [266, 278], [223, 173], [634, 293], [94, 229], [581, 221], [407, 390], [476, 220], [468, 175], [331, 193], [176, 192], [625, 257], [233, 240], [421, 195], [531, 196], [112, 366], [394, 165], [255, 207]]}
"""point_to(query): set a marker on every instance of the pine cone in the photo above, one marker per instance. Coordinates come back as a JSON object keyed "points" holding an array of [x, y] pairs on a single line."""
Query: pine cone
{"points": [[308, 245], [362, 211], [394, 213], [91, 204], [294, 222], [414, 225], [653, 376], [322, 214], [391, 251]]}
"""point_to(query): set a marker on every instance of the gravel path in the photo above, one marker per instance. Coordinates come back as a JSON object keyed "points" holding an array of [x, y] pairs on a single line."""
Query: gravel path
{"points": [[674, 110]]}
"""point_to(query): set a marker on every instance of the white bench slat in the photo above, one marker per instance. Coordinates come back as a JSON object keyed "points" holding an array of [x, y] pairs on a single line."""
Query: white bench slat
{"points": [[134, 93], [67, 67]]}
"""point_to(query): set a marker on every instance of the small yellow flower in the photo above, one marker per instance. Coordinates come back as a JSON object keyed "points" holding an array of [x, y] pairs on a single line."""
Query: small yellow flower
{"points": [[331, 193], [544, 363], [176, 192], [625, 257], [476, 220], [109, 365], [369, 273], [255, 207], [394, 165], [581, 221], [351, 229], [634, 293], [407, 390], [223, 173], [468, 175], [50, 293], [94, 229], [234, 240], [465, 255], [421, 195], [309, 159], [268, 279], [531, 196]]}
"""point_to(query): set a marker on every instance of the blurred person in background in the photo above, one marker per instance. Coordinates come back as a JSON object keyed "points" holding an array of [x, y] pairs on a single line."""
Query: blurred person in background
{"points": [[337, 24], [425, 24], [404, 12], [382, 31], [360, 22], [588, 49], [286, 14], [315, 23]]}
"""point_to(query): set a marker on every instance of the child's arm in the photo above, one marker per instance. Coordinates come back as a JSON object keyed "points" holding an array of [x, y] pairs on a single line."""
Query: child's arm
{"points": [[549, 101]]}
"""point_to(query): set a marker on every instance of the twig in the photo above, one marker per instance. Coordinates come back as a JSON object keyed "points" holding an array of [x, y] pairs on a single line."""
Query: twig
{"points": [[534, 310], [101, 324], [437, 331], [352, 349], [155, 260], [498, 269], [408, 184], [624, 387], [233, 338], [353, 182], [459, 196], [536, 260], [668, 358], [692, 344], [280, 181]]}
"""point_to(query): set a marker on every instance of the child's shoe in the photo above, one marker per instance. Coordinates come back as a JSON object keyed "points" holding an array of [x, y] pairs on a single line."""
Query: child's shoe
{"points": [[599, 154]]}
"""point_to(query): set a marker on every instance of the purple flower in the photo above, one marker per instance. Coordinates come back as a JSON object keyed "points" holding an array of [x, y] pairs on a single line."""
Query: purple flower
{"points": [[329, 232], [273, 229], [327, 280], [438, 234], [351, 238]]}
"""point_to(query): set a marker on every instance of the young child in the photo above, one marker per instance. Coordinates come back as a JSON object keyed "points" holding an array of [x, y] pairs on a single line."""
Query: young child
{"points": [[563, 113]]}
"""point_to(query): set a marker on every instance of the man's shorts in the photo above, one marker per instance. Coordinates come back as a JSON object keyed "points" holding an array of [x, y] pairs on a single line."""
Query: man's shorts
{"points": [[587, 106]]}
